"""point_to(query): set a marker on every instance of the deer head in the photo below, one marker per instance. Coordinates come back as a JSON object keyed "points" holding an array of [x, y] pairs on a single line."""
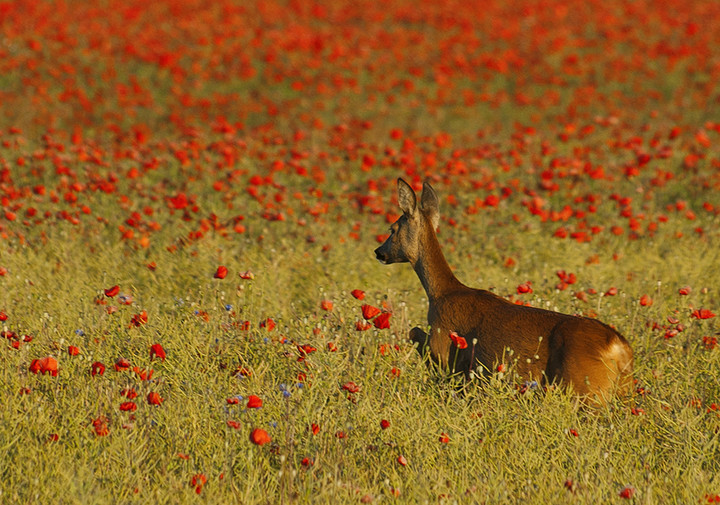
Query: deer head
{"points": [[411, 230]]}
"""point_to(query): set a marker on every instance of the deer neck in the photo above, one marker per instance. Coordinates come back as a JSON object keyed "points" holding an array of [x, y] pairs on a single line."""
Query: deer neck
{"points": [[433, 270]]}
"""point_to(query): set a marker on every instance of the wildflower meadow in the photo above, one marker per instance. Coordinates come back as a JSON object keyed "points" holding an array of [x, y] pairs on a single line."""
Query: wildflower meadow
{"points": [[191, 193]]}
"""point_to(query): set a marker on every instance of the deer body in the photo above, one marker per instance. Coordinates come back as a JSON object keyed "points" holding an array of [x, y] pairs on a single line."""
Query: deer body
{"points": [[542, 345]]}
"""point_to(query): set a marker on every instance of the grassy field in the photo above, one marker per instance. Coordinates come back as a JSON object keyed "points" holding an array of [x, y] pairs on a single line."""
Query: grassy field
{"points": [[191, 196]]}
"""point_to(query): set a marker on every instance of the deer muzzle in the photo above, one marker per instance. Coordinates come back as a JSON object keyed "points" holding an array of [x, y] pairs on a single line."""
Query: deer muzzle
{"points": [[381, 255]]}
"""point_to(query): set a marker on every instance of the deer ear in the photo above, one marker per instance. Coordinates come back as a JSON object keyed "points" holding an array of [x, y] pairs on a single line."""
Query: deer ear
{"points": [[429, 203], [406, 197]]}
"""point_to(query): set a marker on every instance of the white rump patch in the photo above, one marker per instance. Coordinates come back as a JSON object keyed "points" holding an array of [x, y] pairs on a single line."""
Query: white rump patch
{"points": [[617, 353]]}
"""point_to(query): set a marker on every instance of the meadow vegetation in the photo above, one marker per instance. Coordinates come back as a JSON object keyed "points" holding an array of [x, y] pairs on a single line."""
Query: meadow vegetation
{"points": [[191, 194]]}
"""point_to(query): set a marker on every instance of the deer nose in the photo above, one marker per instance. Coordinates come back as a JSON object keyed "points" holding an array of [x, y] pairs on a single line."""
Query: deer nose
{"points": [[380, 255]]}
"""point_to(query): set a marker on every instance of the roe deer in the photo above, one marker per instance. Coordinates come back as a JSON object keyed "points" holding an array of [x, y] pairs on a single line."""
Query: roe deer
{"points": [[550, 347]]}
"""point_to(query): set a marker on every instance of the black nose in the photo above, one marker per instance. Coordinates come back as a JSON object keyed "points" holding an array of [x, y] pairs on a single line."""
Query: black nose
{"points": [[379, 255]]}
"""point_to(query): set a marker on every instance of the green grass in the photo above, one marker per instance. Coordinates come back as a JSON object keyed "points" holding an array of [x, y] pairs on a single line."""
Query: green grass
{"points": [[504, 447], [545, 106]]}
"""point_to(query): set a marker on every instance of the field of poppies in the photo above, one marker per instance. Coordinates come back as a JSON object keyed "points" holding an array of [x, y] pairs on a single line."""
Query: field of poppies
{"points": [[191, 192]]}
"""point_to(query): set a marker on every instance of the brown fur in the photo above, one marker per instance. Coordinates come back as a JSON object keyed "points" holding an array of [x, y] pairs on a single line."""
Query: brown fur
{"points": [[590, 357]]}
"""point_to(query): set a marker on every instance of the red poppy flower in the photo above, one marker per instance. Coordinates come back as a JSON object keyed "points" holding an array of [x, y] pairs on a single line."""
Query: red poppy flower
{"points": [[358, 293], [35, 366], [45, 365], [351, 387], [73, 351], [326, 305], [113, 291], [646, 301], [178, 202], [97, 368], [384, 424], [459, 341], [401, 459], [382, 321], [221, 272], [129, 393], [247, 275], [611, 292], [100, 425], [444, 438], [331, 347], [369, 311], [144, 374], [702, 314], [709, 343], [157, 350], [254, 402], [139, 319], [525, 287], [268, 324], [315, 428], [686, 290], [128, 407], [198, 481], [122, 365], [306, 349], [259, 436], [566, 277], [154, 398], [627, 492], [233, 424], [362, 326], [3, 316]]}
